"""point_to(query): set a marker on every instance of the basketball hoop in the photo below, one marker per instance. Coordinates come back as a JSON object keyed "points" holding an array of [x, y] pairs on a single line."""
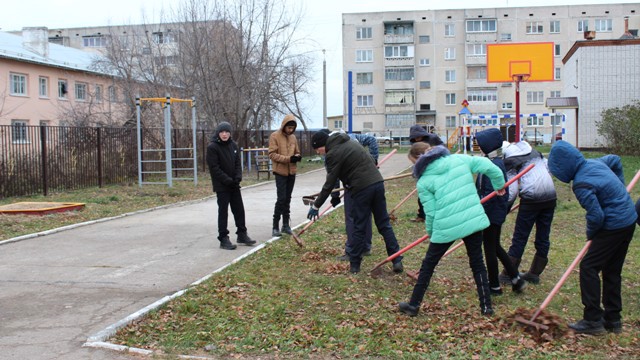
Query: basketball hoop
{"points": [[520, 77]]}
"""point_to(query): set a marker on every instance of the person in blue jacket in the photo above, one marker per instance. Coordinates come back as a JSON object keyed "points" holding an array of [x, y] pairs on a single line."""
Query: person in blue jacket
{"points": [[598, 184], [497, 208]]}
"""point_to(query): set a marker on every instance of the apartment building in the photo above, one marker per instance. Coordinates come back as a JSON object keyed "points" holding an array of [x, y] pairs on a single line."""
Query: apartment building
{"points": [[418, 67]]}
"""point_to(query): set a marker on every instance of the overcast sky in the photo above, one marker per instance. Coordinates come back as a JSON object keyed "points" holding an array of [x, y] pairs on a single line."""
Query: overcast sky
{"points": [[322, 20]]}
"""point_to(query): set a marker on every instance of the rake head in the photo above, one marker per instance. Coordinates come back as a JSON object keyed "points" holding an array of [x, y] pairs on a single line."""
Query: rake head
{"points": [[308, 200], [536, 325]]}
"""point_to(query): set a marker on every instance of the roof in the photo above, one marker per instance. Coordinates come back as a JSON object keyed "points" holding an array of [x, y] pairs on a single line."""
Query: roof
{"points": [[592, 43], [562, 102], [12, 47]]}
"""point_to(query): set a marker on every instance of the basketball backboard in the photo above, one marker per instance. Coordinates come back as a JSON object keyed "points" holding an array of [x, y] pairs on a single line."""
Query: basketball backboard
{"points": [[533, 59]]}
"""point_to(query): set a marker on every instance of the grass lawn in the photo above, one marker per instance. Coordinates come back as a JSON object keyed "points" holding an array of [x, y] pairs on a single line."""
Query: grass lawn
{"points": [[291, 302]]}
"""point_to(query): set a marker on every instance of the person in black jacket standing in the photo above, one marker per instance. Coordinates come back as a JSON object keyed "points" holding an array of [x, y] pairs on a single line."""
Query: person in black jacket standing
{"points": [[419, 134], [349, 162], [223, 158]]}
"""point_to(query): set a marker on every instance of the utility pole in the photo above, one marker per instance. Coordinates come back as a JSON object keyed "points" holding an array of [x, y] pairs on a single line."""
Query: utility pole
{"points": [[324, 90]]}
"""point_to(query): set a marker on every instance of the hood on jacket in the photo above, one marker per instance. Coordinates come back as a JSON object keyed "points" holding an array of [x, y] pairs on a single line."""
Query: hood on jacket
{"points": [[489, 140], [427, 158], [564, 161], [417, 131], [336, 138], [223, 126], [287, 119], [517, 149]]}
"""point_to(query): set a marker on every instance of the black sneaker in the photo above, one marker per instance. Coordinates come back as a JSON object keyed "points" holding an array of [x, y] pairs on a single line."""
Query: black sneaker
{"points": [[495, 291], [286, 229], [275, 232], [243, 238], [397, 267], [226, 244], [355, 268], [343, 257], [488, 311], [504, 278], [530, 277], [588, 327], [518, 286], [613, 326], [409, 309]]}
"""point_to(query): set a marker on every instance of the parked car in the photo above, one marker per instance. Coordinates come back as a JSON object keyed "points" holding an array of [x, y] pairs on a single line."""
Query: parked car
{"points": [[533, 137], [381, 139], [558, 136]]}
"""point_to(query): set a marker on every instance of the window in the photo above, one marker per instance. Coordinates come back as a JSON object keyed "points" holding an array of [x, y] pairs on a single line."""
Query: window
{"points": [[425, 62], [43, 87], [507, 106], [425, 84], [364, 55], [554, 94], [450, 121], [450, 99], [450, 76], [477, 72], [399, 73], [398, 51], [81, 91], [363, 33], [482, 95], [583, 25], [535, 27], [98, 93], [424, 39], [505, 37], [403, 121], [535, 97], [63, 89], [113, 94], [556, 50], [399, 97], [556, 74], [556, 120], [94, 41], [535, 121], [164, 37], [554, 26], [165, 60], [449, 30], [337, 124], [398, 29], [603, 25], [19, 131], [476, 50], [365, 100], [364, 78], [481, 26], [450, 53], [18, 84]]}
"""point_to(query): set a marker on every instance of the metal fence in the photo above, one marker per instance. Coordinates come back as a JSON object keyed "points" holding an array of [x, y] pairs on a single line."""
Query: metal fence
{"points": [[44, 159]]}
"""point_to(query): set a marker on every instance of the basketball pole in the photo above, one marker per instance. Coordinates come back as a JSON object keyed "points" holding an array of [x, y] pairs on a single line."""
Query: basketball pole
{"points": [[517, 108]]}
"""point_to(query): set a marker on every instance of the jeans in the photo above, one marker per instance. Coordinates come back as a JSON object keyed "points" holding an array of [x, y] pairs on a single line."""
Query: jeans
{"points": [[284, 188], [233, 198], [530, 214], [348, 221], [371, 200], [605, 255]]}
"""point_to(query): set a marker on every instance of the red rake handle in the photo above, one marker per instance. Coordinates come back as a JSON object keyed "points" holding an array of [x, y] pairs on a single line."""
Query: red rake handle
{"points": [[403, 200], [387, 157], [400, 252], [575, 262]]}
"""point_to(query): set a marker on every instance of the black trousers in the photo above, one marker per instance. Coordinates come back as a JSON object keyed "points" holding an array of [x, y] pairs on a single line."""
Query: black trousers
{"points": [[348, 222], [605, 255], [540, 215], [493, 252], [284, 188], [233, 198]]}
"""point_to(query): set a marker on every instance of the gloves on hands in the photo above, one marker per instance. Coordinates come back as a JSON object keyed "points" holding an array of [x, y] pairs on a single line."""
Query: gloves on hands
{"points": [[335, 200], [295, 158], [313, 213]]}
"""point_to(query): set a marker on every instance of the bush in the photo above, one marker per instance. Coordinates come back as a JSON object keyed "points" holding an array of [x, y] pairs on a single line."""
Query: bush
{"points": [[620, 128]]}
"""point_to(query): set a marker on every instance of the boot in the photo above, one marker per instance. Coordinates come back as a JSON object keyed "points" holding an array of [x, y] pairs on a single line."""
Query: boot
{"points": [[355, 267], [275, 232], [286, 229], [482, 286], [409, 309], [226, 244], [398, 267], [537, 267], [504, 277], [243, 238], [518, 285]]}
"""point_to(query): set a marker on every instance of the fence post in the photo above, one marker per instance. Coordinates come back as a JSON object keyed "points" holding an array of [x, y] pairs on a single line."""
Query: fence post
{"points": [[43, 148], [204, 151], [99, 138]]}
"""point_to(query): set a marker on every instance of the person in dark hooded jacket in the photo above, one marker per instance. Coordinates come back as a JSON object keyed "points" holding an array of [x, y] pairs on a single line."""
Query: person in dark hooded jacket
{"points": [[223, 158], [598, 184], [349, 162], [490, 142], [417, 133]]}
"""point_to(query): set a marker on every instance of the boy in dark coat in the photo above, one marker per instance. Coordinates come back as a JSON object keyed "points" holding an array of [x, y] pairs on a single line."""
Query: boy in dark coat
{"points": [[349, 162], [598, 184], [418, 134], [490, 142], [223, 158]]}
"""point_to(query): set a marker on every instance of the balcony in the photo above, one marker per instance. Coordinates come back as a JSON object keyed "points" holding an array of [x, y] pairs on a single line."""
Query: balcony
{"points": [[476, 60], [399, 108], [399, 61], [398, 39]]}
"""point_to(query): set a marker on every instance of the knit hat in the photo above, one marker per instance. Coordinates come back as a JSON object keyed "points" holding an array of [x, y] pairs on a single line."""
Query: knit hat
{"points": [[319, 139], [417, 131], [489, 140], [223, 126]]}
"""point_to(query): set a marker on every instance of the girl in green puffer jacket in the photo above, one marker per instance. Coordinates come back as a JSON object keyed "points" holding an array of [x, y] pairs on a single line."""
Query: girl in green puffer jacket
{"points": [[448, 193]]}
